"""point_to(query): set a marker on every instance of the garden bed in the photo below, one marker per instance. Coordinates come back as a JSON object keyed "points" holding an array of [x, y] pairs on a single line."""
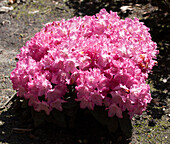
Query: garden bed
{"points": [[20, 24]]}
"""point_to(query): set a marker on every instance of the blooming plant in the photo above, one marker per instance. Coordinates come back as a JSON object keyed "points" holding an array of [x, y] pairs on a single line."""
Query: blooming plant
{"points": [[105, 60]]}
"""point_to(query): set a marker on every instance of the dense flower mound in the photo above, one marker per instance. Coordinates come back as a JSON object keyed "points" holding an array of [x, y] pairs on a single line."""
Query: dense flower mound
{"points": [[105, 59]]}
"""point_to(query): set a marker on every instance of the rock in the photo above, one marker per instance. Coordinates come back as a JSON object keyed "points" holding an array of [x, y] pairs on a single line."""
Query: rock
{"points": [[21, 1], [124, 9], [11, 1], [5, 9], [1, 123]]}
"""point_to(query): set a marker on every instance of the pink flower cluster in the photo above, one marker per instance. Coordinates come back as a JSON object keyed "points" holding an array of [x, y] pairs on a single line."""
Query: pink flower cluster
{"points": [[105, 58]]}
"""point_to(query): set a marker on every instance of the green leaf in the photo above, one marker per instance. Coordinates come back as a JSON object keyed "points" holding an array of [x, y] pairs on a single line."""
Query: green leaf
{"points": [[38, 117], [126, 125], [71, 114], [113, 124], [59, 118], [25, 104], [101, 115]]}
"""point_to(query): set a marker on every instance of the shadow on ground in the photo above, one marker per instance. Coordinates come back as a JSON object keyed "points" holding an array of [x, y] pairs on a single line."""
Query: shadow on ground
{"points": [[17, 126]]}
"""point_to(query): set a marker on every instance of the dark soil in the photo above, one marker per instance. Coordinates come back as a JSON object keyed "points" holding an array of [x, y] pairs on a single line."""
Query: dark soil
{"points": [[20, 24]]}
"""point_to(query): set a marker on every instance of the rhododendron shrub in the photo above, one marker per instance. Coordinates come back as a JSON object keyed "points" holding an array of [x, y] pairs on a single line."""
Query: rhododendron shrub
{"points": [[105, 60]]}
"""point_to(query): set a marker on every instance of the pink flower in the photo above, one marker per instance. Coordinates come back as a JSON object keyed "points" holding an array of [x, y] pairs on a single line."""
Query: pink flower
{"points": [[42, 106], [104, 59], [114, 109], [39, 85], [56, 93], [86, 103], [57, 104], [90, 86]]}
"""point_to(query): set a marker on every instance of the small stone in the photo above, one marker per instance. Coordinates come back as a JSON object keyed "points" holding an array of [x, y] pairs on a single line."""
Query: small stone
{"points": [[33, 12], [164, 80], [6, 22], [18, 1], [5, 9], [124, 9], [11, 1], [1, 123]]}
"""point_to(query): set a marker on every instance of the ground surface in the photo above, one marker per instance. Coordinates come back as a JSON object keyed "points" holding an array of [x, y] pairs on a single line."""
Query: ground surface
{"points": [[20, 24]]}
